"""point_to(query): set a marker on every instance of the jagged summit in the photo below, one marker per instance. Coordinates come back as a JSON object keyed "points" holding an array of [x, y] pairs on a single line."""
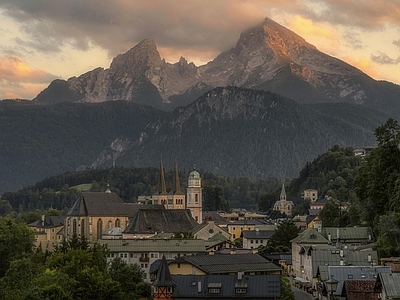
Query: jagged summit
{"points": [[266, 57]]}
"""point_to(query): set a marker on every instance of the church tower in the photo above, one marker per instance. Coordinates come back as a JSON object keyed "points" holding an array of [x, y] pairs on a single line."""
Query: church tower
{"points": [[283, 195], [194, 198], [161, 196], [176, 195]]}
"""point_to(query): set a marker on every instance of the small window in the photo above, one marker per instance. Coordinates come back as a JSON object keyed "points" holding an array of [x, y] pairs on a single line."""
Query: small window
{"points": [[349, 276], [214, 290], [241, 291]]}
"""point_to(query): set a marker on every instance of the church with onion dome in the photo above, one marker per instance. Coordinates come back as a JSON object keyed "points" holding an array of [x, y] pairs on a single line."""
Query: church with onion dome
{"points": [[176, 198]]}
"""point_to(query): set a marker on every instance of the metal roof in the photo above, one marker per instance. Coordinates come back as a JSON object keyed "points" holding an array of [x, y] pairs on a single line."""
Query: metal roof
{"points": [[197, 286], [342, 273], [155, 245], [161, 220], [228, 263], [389, 282], [258, 234], [334, 257], [98, 204], [310, 236], [348, 234]]}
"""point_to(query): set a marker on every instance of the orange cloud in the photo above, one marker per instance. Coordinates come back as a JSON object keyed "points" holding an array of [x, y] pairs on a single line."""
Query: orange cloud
{"points": [[13, 69], [364, 64]]}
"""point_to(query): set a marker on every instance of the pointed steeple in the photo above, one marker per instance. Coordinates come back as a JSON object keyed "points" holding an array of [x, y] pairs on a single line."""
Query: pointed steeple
{"points": [[176, 185], [164, 278], [162, 188], [283, 193]]}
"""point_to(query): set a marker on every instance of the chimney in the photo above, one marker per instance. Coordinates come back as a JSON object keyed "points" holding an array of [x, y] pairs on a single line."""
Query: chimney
{"points": [[341, 253], [369, 257], [257, 229], [329, 237], [199, 286], [337, 234], [43, 220], [240, 275]]}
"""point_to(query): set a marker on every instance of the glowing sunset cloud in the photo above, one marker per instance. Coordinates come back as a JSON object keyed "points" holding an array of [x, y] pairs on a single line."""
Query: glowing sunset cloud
{"points": [[68, 38]]}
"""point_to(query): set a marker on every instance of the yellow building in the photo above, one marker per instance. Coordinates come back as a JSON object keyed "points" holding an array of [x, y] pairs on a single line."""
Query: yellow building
{"points": [[48, 232], [94, 213]]}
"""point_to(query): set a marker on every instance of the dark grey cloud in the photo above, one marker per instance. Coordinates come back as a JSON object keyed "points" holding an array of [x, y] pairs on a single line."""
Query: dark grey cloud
{"points": [[353, 40], [383, 59]]}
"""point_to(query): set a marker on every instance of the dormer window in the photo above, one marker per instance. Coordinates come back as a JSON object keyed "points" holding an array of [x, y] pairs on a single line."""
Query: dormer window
{"points": [[214, 288]]}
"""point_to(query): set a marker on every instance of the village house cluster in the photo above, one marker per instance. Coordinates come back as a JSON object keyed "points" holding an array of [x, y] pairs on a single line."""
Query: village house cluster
{"points": [[187, 253]]}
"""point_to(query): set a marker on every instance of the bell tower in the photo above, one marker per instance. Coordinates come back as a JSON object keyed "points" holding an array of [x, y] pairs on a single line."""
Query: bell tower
{"points": [[194, 197]]}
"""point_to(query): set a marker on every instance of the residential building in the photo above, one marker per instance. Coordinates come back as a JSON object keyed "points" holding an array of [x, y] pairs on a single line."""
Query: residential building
{"points": [[208, 229], [349, 274], [283, 206], [236, 228], [214, 286], [144, 252], [48, 232], [250, 264], [253, 239], [310, 194]]}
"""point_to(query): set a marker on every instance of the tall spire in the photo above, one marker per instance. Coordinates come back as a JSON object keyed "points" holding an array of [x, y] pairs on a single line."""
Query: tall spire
{"points": [[162, 188], [176, 185], [283, 193]]}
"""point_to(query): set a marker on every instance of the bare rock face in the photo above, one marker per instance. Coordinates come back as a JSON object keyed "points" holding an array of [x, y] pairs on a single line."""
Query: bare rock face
{"points": [[266, 57]]}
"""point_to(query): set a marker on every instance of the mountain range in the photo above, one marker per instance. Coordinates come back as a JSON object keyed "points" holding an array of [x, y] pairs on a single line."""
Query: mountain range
{"points": [[266, 57], [261, 109]]}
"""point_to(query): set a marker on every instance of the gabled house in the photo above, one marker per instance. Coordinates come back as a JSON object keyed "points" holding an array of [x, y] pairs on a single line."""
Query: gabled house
{"points": [[213, 286], [349, 274], [236, 228], [208, 229], [302, 246], [388, 286], [252, 239], [48, 232], [359, 290]]}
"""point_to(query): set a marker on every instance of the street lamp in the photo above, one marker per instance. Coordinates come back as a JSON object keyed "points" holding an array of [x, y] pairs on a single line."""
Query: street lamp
{"points": [[331, 286]]}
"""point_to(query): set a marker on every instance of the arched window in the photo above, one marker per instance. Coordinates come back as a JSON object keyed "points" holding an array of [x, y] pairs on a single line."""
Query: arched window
{"points": [[117, 223], [82, 228], [99, 229], [74, 227]]}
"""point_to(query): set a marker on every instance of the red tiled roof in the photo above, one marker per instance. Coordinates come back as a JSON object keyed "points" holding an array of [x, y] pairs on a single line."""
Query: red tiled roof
{"points": [[360, 290]]}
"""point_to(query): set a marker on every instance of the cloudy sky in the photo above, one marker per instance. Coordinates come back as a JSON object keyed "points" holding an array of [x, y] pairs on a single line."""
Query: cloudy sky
{"points": [[42, 40]]}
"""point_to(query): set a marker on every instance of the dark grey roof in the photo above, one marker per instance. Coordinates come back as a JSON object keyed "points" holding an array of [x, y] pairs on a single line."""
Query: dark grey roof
{"points": [[342, 273], [277, 257], [257, 286], [258, 234], [49, 221], [220, 264], [313, 211], [161, 220], [348, 234], [248, 222], [216, 217], [334, 258], [133, 208], [98, 204], [164, 277]]}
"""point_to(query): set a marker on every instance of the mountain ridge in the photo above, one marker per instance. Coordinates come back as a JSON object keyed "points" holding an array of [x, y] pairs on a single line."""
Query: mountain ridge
{"points": [[267, 57]]}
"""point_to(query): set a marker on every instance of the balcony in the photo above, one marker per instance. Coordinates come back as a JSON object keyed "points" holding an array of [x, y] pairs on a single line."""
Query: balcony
{"points": [[143, 259]]}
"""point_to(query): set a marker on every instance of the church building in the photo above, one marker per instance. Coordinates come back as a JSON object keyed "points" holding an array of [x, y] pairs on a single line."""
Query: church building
{"points": [[176, 199], [283, 206]]}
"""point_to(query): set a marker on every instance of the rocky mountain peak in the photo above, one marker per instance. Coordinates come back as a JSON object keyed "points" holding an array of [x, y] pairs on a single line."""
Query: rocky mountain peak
{"points": [[140, 57]]}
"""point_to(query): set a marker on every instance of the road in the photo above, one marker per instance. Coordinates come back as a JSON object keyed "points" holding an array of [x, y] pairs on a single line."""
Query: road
{"points": [[301, 295]]}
